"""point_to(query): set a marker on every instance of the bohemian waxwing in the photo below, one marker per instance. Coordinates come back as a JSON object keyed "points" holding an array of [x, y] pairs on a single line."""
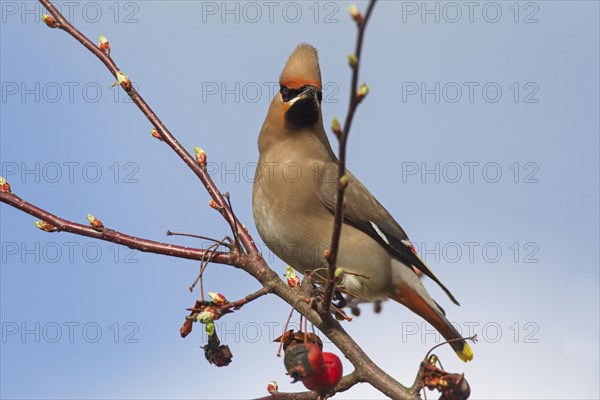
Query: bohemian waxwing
{"points": [[294, 198]]}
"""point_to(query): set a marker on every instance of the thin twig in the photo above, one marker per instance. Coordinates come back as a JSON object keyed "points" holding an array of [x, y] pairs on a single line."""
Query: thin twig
{"points": [[203, 268], [221, 242], [473, 339], [165, 134], [287, 322], [235, 225], [203, 264], [339, 206], [113, 236], [236, 305], [346, 383]]}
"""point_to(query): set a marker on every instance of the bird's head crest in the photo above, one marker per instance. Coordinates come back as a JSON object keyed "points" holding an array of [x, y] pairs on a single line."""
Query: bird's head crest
{"points": [[302, 68]]}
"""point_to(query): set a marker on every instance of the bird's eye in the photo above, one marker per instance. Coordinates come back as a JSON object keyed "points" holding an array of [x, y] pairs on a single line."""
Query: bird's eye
{"points": [[284, 93], [288, 94]]}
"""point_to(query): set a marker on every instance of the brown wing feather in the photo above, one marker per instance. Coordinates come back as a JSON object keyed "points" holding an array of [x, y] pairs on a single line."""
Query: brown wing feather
{"points": [[362, 210]]}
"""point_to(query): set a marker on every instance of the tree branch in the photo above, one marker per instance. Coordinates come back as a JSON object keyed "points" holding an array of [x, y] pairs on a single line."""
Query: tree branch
{"points": [[253, 263], [110, 235], [346, 383], [236, 305], [165, 134], [366, 369], [355, 99]]}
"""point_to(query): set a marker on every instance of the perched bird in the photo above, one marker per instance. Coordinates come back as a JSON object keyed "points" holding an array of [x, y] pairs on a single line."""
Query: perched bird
{"points": [[293, 202]]}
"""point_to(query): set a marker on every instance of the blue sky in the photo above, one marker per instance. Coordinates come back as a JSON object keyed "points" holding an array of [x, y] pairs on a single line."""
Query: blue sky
{"points": [[479, 134]]}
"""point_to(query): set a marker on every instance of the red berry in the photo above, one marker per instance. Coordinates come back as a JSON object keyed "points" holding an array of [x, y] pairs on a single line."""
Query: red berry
{"points": [[303, 360], [329, 376]]}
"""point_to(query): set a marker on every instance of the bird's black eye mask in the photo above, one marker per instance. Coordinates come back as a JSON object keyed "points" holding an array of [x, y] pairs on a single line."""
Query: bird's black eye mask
{"points": [[288, 94]]}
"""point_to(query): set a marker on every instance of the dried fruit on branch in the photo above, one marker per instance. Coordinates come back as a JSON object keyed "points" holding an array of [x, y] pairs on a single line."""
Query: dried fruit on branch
{"points": [[291, 339], [216, 353], [451, 386]]}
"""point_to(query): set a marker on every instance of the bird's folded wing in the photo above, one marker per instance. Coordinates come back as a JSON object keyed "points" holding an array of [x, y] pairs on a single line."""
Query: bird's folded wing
{"points": [[364, 212]]}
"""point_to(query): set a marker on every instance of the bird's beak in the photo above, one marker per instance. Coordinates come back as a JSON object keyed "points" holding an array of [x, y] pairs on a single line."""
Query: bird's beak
{"points": [[309, 92]]}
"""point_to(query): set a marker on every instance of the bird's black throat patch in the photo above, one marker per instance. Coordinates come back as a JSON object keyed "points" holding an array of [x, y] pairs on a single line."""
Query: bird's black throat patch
{"points": [[303, 113]]}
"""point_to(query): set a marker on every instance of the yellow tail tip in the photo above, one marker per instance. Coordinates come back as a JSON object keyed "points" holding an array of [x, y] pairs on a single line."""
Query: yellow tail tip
{"points": [[466, 354]]}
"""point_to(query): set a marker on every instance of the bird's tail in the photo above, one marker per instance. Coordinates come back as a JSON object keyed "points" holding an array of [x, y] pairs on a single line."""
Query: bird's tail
{"points": [[409, 291]]}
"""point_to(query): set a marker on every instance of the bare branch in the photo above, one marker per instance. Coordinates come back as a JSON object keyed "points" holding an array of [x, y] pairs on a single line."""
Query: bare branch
{"points": [[165, 134], [110, 235], [236, 305], [338, 217], [365, 367], [346, 383], [226, 241], [255, 266]]}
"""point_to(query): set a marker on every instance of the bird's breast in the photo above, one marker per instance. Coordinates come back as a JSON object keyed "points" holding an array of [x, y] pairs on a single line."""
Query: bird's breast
{"points": [[288, 213]]}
